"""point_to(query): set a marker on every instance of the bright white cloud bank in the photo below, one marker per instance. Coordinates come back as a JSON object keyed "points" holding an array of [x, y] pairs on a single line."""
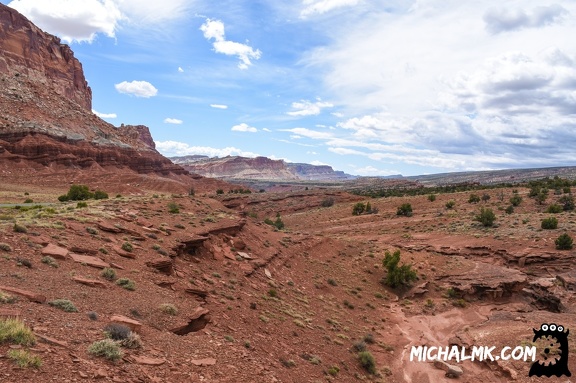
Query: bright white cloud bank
{"points": [[137, 88], [312, 7], [308, 108], [214, 30], [174, 121], [174, 148], [104, 115]]}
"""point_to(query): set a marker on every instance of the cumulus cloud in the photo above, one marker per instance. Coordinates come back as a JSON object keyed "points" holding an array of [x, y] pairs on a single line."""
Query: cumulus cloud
{"points": [[266, 130], [72, 20], [502, 20], [308, 108], [104, 115], [371, 171], [244, 128], [309, 133], [174, 121], [214, 30], [154, 12], [219, 106], [175, 148], [137, 88], [318, 7], [180, 70]]}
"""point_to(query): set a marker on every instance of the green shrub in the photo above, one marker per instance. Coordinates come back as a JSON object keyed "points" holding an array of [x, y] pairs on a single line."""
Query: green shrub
{"points": [[16, 332], [24, 359], [485, 197], [327, 202], [63, 198], [173, 208], [509, 209], [64, 305], [126, 283], [168, 308], [92, 231], [367, 361], [5, 247], [358, 208], [567, 202], [99, 194], [564, 242], [549, 223], [48, 260], [278, 222], [474, 198], [450, 204], [334, 370], [19, 228], [486, 217], [219, 191], [79, 193], [554, 209], [28, 200], [397, 275], [80, 205], [515, 200], [117, 331], [108, 273], [432, 197], [127, 246], [405, 209], [6, 298], [106, 348]]}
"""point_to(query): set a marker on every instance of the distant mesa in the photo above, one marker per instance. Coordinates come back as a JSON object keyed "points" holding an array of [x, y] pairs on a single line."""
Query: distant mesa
{"points": [[258, 168]]}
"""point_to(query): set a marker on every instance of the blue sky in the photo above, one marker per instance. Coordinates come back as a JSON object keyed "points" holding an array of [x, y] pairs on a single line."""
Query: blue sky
{"points": [[368, 87]]}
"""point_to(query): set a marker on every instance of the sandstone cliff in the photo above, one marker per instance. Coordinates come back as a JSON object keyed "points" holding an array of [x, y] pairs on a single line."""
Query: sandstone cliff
{"points": [[45, 110], [259, 168]]}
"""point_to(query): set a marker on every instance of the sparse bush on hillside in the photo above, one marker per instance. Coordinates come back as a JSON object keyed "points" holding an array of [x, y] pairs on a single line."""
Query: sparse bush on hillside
{"points": [[278, 223], [126, 283], [108, 273], [509, 209], [173, 208], [450, 204], [358, 208], [474, 198], [405, 209], [327, 202], [432, 197], [106, 348], [5, 247], [567, 202], [486, 217], [564, 242], [549, 223], [19, 228], [485, 197], [367, 361], [127, 246], [397, 275], [24, 359], [81, 193], [219, 191], [117, 331], [554, 209], [99, 194], [515, 200], [64, 305]]}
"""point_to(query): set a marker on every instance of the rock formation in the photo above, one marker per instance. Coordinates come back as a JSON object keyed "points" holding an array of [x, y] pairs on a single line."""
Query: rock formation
{"points": [[46, 119], [259, 168]]}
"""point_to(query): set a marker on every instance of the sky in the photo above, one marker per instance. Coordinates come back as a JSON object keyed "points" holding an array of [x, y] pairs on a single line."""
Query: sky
{"points": [[370, 87]]}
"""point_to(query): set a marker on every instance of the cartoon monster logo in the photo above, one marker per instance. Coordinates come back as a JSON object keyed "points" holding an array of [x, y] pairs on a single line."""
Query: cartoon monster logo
{"points": [[552, 346]]}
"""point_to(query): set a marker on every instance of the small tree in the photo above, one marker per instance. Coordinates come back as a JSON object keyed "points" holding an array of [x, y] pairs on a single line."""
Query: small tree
{"points": [[515, 200], [564, 242], [549, 223], [486, 217], [485, 197], [405, 209], [567, 202], [474, 198], [397, 275], [278, 222], [554, 209]]}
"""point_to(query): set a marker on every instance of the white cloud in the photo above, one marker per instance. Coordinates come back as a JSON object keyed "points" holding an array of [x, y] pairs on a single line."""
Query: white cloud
{"points": [[137, 88], [266, 130], [305, 132], [219, 106], [318, 163], [318, 7], [214, 29], [72, 20], [173, 121], [175, 148], [308, 108], [244, 128], [180, 70], [154, 12], [371, 171], [104, 115], [502, 20]]}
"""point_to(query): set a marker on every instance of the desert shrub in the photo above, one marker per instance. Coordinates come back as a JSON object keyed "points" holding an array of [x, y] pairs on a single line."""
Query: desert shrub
{"points": [[432, 197], [509, 209], [278, 222], [450, 204], [5, 247], [367, 361], [273, 293], [219, 191], [108, 273], [64, 305], [397, 275], [48, 260], [16, 332], [92, 315], [92, 230], [358, 208], [168, 308], [567, 202], [126, 283], [549, 223], [486, 217], [515, 200], [132, 341], [6, 298], [17, 228], [564, 242], [106, 348], [99, 194], [81, 205], [127, 246], [117, 331], [79, 193], [334, 370], [405, 209], [63, 198], [28, 200], [173, 208], [554, 209], [485, 197], [327, 202], [360, 346], [369, 338], [474, 198], [24, 359]]}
